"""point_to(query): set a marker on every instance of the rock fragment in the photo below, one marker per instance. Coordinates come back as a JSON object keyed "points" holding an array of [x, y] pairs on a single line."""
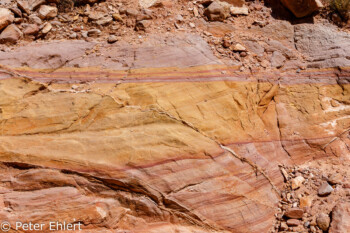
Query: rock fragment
{"points": [[302, 8], [217, 11], [6, 18], [295, 213], [24, 6], [47, 12], [238, 48], [112, 39], [297, 181], [117, 17], [323, 221], [31, 29], [325, 189], [35, 19], [34, 4], [142, 25], [16, 11], [11, 34], [46, 29], [340, 218], [277, 59], [104, 21], [239, 10], [335, 178], [293, 222], [305, 201], [283, 226], [93, 33]]}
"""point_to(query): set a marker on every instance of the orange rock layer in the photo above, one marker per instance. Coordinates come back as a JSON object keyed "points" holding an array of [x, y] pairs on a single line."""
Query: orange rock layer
{"points": [[162, 149]]}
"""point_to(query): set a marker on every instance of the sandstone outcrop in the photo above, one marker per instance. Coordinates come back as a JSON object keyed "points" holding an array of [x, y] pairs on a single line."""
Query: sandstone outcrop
{"points": [[130, 135], [162, 121]]}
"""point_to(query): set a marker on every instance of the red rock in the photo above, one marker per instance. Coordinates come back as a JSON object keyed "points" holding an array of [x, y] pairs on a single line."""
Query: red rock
{"points": [[293, 222], [335, 178], [302, 8], [24, 6], [31, 29], [6, 18], [295, 213], [11, 34]]}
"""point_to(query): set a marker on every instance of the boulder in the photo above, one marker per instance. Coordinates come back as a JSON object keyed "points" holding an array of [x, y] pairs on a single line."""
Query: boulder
{"points": [[11, 34], [6, 17], [217, 11], [302, 8], [47, 12]]}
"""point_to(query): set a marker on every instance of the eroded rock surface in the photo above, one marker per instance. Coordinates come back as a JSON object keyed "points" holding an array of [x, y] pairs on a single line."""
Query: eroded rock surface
{"points": [[163, 136]]}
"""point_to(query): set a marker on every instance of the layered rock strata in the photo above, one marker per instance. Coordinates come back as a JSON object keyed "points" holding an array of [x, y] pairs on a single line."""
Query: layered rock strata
{"points": [[160, 137]]}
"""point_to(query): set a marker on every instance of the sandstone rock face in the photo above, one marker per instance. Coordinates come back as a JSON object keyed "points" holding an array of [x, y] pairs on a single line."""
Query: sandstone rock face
{"points": [[161, 136], [302, 8]]}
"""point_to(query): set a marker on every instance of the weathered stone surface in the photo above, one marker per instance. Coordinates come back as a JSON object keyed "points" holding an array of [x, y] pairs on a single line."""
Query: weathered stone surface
{"points": [[127, 143], [148, 3], [297, 182], [47, 12], [340, 218], [293, 222], [11, 34], [217, 11], [325, 189], [303, 7], [47, 28], [277, 59], [6, 18], [334, 43], [295, 213], [335, 178], [35, 19], [323, 221], [31, 29], [24, 6], [35, 4], [305, 201], [239, 10]]}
